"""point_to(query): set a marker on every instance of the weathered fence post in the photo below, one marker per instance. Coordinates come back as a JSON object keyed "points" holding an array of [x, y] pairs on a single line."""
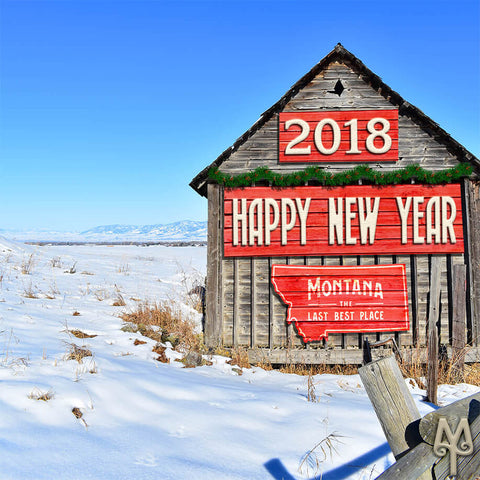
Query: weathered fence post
{"points": [[458, 327], [433, 315], [385, 387]]}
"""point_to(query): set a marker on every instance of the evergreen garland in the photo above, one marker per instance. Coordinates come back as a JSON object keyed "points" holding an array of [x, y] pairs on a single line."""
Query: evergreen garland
{"points": [[349, 177]]}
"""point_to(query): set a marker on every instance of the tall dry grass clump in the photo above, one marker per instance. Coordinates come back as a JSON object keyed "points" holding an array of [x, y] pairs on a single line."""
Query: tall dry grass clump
{"points": [[164, 322], [449, 373]]}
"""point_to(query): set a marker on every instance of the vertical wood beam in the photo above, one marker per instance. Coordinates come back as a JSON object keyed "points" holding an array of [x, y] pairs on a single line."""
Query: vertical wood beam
{"points": [[213, 315], [253, 304], [414, 299], [433, 316], [458, 327]]}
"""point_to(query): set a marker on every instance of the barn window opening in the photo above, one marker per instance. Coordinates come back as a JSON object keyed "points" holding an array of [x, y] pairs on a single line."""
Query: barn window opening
{"points": [[339, 88]]}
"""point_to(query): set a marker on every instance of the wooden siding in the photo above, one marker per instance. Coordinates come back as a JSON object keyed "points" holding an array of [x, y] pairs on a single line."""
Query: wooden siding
{"points": [[258, 317], [242, 307]]}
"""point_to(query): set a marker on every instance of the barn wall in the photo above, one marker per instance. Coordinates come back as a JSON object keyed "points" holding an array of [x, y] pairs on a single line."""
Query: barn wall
{"points": [[245, 310]]}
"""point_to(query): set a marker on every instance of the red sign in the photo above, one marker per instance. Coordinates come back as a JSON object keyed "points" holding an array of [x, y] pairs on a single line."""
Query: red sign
{"points": [[324, 300], [352, 220], [340, 136]]}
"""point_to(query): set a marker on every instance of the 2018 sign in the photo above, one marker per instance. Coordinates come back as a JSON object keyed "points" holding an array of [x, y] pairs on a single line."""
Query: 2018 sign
{"points": [[353, 220], [343, 299], [339, 136]]}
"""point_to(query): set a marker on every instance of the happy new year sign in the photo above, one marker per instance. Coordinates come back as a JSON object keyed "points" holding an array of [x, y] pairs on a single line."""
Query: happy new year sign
{"points": [[343, 299], [352, 220]]}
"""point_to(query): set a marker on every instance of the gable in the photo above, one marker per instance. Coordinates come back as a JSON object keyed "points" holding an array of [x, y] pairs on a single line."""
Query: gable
{"points": [[340, 82]]}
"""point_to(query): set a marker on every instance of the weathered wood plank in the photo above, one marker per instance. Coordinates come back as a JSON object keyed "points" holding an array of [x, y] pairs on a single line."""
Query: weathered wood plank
{"points": [[213, 320], [228, 284], [334, 356], [242, 301], [260, 302], [459, 324], [423, 285], [433, 317]]}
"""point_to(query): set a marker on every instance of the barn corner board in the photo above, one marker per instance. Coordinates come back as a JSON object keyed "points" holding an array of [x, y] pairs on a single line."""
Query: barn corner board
{"points": [[341, 177]]}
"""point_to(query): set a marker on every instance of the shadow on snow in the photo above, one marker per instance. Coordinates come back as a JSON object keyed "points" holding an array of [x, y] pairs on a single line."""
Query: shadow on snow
{"points": [[277, 470]]}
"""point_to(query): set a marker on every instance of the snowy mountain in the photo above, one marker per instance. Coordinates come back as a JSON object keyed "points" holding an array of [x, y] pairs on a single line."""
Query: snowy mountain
{"points": [[183, 231]]}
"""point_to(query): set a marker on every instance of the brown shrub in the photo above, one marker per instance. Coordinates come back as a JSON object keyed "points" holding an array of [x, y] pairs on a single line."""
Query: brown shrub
{"points": [[171, 326]]}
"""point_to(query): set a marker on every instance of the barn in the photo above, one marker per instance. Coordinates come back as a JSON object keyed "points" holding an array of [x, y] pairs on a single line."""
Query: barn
{"points": [[341, 189]]}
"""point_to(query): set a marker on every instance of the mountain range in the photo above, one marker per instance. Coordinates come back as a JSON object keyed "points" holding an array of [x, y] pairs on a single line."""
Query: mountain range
{"points": [[185, 230]]}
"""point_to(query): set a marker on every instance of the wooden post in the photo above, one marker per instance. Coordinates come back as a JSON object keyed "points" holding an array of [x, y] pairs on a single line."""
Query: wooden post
{"points": [[458, 328], [433, 315], [391, 400]]}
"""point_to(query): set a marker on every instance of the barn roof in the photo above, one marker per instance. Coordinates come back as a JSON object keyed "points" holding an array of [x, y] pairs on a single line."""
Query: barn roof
{"points": [[342, 55]]}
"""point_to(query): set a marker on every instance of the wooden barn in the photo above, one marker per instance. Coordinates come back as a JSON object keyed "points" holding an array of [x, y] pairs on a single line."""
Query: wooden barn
{"points": [[325, 220]]}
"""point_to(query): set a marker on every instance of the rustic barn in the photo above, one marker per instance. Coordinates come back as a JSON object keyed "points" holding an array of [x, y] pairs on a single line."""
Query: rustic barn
{"points": [[242, 306]]}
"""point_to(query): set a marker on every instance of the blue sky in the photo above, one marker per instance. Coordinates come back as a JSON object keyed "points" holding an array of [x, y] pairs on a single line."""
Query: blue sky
{"points": [[109, 108]]}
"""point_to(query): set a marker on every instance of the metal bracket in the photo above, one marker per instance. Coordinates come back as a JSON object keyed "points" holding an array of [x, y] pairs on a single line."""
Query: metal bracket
{"points": [[367, 346]]}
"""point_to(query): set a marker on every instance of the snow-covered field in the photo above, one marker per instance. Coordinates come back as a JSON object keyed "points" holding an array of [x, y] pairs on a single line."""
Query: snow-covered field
{"points": [[143, 419]]}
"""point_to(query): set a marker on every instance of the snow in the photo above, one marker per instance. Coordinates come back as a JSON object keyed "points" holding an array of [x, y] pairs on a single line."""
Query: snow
{"points": [[144, 419]]}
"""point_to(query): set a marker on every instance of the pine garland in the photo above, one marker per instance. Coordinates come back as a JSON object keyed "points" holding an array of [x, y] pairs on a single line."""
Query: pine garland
{"points": [[349, 177]]}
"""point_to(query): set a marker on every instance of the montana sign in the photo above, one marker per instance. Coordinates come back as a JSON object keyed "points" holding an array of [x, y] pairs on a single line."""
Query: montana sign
{"points": [[352, 220], [343, 299]]}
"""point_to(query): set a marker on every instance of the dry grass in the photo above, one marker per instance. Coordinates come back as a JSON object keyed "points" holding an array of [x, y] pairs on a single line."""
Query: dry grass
{"points": [[239, 357], [29, 292], [160, 351], [163, 322], [78, 353], [37, 394], [119, 301], [80, 334], [27, 265], [72, 269], [311, 394], [447, 373], [56, 262], [312, 460]]}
